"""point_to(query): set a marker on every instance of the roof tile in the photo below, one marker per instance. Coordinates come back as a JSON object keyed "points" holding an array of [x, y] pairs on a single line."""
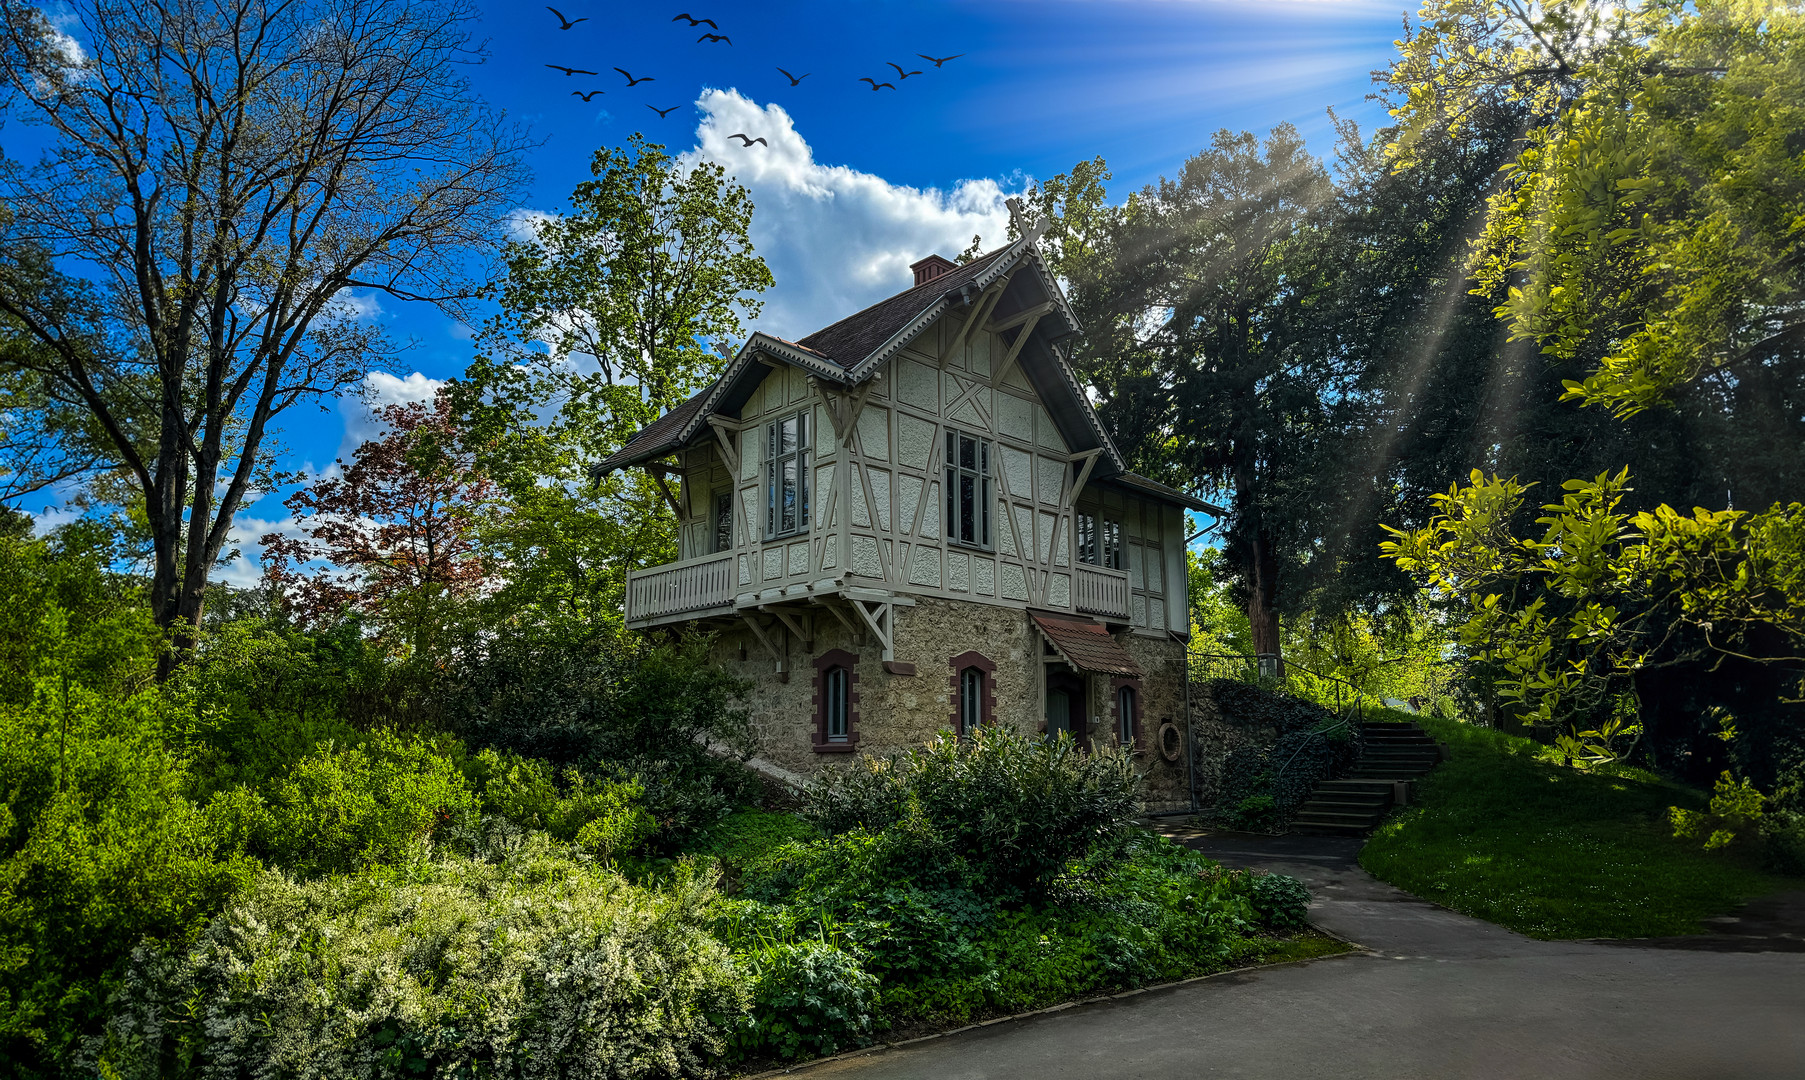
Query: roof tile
{"points": [[1086, 644]]}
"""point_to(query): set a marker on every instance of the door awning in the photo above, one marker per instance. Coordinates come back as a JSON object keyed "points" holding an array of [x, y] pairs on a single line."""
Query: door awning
{"points": [[1086, 645]]}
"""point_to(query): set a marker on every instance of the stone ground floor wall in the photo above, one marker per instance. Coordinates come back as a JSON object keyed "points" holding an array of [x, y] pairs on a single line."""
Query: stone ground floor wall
{"points": [[893, 712], [1213, 737]]}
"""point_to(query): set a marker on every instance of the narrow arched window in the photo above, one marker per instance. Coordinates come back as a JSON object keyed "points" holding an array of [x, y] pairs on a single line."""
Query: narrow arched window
{"points": [[836, 702], [1125, 705], [971, 700]]}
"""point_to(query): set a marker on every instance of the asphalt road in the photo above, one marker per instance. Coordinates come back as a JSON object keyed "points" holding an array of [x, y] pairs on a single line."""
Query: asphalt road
{"points": [[1433, 995]]}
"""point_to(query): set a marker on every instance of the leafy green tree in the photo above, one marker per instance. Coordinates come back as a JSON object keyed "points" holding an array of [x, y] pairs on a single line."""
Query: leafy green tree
{"points": [[1648, 228], [608, 311], [1208, 319], [1690, 625]]}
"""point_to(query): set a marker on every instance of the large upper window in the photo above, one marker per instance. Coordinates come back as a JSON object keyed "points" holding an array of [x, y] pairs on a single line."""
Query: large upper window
{"points": [[968, 493], [1099, 541], [723, 521], [786, 476]]}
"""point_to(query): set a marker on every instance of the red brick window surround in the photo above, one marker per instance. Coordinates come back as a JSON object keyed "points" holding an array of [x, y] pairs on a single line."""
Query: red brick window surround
{"points": [[1126, 729], [836, 703], [973, 682]]}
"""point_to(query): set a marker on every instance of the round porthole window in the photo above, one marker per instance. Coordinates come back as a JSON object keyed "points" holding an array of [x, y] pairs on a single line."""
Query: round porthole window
{"points": [[1171, 741]]}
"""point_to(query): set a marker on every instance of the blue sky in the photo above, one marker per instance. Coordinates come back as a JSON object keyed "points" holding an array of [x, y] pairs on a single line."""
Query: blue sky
{"points": [[856, 183]]}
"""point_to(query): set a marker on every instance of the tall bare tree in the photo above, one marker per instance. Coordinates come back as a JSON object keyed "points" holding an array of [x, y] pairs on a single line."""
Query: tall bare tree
{"points": [[219, 176]]}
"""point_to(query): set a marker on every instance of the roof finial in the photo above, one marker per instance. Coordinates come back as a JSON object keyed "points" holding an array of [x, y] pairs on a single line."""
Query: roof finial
{"points": [[1033, 228]]}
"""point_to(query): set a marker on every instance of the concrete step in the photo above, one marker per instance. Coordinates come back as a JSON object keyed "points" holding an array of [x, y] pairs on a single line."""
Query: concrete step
{"points": [[1356, 803], [1333, 830], [1321, 817], [1353, 801]]}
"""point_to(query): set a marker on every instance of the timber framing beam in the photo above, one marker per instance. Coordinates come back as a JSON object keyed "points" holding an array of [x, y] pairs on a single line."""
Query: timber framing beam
{"points": [[724, 433], [1032, 314]]}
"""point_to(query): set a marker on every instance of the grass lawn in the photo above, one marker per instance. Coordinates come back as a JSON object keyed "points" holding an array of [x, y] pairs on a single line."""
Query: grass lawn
{"points": [[1506, 833]]}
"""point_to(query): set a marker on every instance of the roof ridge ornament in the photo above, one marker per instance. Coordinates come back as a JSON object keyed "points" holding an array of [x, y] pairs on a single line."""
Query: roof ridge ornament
{"points": [[1028, 228]]}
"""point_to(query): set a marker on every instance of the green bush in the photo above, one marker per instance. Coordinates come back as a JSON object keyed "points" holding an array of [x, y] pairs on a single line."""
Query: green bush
{"points": [[604, 817], [1013, 809], [1281, 901], [596, 701], [100, 848], [746, 836], [537, 966], [810, 999], [1257, 813], [339, 810]]}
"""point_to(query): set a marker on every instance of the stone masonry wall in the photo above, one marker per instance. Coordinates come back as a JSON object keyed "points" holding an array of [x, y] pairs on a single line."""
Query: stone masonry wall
{"points": [[1213, 737], [897, 711]]}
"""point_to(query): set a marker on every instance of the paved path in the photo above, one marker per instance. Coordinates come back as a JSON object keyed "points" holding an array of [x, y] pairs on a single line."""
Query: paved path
{"points": [[1435, 995]]}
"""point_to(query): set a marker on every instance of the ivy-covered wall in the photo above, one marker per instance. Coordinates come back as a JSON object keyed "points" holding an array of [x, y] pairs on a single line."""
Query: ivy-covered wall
{"points": [[1257, 753]]}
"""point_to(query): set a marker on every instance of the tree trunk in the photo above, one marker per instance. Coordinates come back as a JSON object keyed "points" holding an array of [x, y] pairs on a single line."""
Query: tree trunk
{"points": [[1262, 598]]}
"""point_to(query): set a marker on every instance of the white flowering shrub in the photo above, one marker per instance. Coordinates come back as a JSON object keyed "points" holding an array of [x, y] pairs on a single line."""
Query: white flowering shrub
{"points": [[533, 966]]}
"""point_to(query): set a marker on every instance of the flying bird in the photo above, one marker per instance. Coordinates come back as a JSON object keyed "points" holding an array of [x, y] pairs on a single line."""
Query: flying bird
{"points": [[875, 84], [693, 21], [715, 37], [938, 60], [568, 23], [900, 72], [571, 71], [747, 140], [586, 97], [662, 113], [631, 81], [795, 80]]}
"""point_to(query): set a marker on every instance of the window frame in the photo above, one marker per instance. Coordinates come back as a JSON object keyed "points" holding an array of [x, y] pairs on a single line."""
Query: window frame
{"points": [[1098, 539], [775, 458], [847, 664], [984, 480], [987, 697], [723, 519], [1129, 731]]}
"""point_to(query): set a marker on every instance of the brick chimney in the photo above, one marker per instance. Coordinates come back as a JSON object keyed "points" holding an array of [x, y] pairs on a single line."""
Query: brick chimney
{"points": [[932, 267]]}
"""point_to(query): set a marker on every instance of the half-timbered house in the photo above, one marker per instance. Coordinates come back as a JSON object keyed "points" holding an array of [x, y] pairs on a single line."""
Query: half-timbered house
{"points": [[912, 520]]}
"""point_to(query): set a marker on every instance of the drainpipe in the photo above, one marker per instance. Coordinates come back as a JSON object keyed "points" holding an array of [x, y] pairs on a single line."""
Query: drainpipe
{"points": [[1190, 746]]}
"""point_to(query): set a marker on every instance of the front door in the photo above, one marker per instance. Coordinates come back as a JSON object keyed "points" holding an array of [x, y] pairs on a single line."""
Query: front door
{"points": [[1065, 705]]}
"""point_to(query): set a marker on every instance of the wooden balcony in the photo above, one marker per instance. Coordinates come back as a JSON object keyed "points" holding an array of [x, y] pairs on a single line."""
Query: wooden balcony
{"points": [[1096, 591], [679, 591]]}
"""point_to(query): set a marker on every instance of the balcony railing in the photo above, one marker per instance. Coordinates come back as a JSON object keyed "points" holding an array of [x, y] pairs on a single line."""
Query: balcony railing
{"points": [[1096, 591], [678, 588]]}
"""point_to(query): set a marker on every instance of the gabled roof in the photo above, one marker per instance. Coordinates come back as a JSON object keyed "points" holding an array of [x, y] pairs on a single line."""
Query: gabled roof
{"points": [[849, 351], [857, 336], [1140, 485]]}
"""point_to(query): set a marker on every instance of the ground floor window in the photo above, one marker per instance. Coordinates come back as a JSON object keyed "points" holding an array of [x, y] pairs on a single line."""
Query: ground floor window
{"points": [[836, 702], [973, 688], [836, 697], [1127, 704]]}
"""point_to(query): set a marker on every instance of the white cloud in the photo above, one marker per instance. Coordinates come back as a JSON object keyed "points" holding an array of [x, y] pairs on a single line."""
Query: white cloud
{"points": [[836, 239], [358, 306], [379, 389], [247, 533], [521, 223]]}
